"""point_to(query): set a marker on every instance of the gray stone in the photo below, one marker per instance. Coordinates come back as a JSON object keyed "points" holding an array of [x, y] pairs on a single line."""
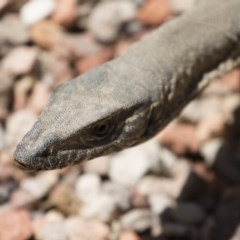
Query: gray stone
{"points": [[189, 213], [107, 18]]}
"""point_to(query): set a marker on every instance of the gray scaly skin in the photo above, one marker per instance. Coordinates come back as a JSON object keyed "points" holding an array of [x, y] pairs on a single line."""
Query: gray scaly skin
{"points": [[128, 100]]}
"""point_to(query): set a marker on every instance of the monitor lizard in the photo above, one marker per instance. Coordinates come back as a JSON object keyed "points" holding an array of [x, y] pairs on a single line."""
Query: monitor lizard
{"points": [[130, 99]]}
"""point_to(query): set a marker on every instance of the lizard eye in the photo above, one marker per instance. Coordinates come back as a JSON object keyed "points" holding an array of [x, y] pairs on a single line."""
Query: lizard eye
{"points": [[101, 130]]}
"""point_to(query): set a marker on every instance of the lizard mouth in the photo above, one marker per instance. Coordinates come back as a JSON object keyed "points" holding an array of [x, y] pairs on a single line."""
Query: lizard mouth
{"points": [[23, 166]]}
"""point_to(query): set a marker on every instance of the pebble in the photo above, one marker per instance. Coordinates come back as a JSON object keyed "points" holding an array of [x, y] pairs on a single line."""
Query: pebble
{"points": [[130, 165], [50, 227], [172, 186], [180, 139], [99, 166], [137, 219], [160, 202], [6, 87], [182, 6], [40, 185], [107, 18], [210, 149], [14, 134], [118, 193], [128, 235], [20, 60], [77, 228], [189, 213], [15, 225], [65, 12], [154, 12], [21, 198], [46, 34], [39, 97], [93, 209], [36, 10], [88, 187], [2, 140], [21, 90], [18, 33], [94, 60], [3, 4]]}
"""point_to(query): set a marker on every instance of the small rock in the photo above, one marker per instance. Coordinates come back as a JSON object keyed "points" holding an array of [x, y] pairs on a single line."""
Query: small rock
{"points": [[99, 166], [172, 187], [63, 198], [15, 225], [154, 12], [21, 90], [3, 4], [77, 228], [40, 185], [65, 12], [21, 198], [236, 235], [160, 202], [36, 10], [107, 18], [91, 61], [180, 138], [210, 149], [130, 165], [189, 213], [129, 235], [6, 188], [137, 220], [20, 60], [182, 6], [118, 193], [88, 187], [81, 45], [39, 97], [14, 134], [18, 33], [51, 226], [102, 207], [232, 80], [46, 34], [2, 141], [6, 88]]}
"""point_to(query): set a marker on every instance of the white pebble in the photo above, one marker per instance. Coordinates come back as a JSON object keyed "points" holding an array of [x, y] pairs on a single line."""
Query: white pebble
{"points": [[36, 10]]}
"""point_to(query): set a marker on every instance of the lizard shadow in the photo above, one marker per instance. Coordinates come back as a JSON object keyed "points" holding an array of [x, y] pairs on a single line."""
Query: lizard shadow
{"points": [[216, 191]]}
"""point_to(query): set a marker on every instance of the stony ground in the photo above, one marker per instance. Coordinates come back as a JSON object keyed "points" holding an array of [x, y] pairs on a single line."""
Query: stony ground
{"points": [[184, 184]]}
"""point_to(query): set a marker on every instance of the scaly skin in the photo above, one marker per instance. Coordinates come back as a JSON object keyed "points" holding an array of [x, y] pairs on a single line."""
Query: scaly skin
{"points": [[128, 100]]}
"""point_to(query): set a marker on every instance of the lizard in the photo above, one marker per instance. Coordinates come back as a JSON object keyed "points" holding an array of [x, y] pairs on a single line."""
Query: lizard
{"points": [[128, 100]]}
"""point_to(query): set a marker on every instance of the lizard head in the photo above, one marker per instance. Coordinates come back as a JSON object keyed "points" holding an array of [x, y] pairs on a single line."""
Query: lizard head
{"points": [[92, 115]]}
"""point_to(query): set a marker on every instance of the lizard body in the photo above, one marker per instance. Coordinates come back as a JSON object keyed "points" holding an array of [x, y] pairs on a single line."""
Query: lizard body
{"points": [[131, 98]]}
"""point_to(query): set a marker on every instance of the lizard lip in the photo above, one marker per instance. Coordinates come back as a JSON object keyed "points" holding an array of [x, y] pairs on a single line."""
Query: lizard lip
{"points": [[22, 166]]}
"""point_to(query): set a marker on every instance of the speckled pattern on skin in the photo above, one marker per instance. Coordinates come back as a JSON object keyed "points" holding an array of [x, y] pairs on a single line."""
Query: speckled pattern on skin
{"points": [[128, 100]]}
